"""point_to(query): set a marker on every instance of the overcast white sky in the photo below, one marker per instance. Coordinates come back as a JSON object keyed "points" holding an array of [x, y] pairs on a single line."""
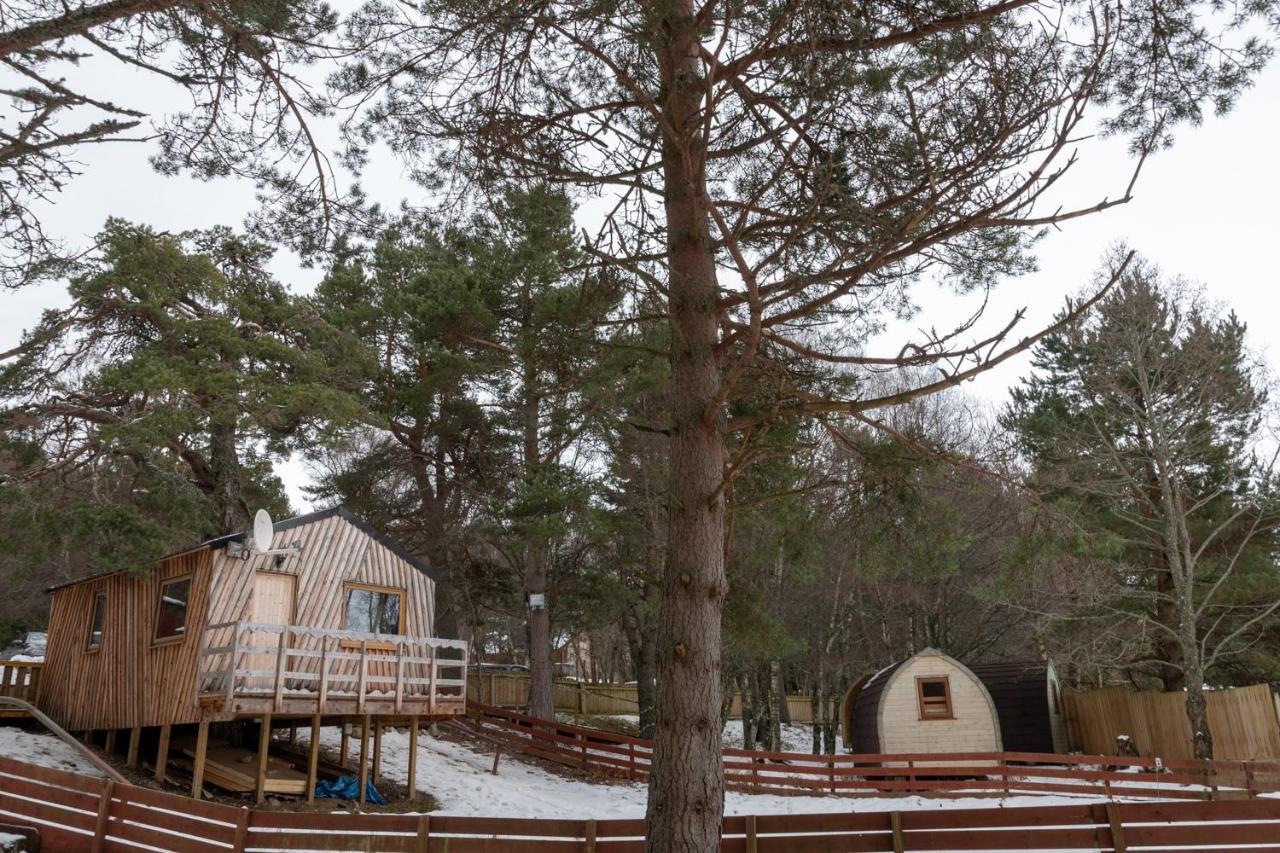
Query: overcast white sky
{"points": [[1204, 209]]}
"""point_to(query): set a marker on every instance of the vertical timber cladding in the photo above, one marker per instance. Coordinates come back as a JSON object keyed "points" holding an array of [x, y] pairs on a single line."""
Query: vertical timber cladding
{"points": [[334, 551], [129, 680]]}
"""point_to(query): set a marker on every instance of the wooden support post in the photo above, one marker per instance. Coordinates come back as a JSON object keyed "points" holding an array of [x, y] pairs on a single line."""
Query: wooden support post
{"points": [[399, 677], [431, 681], [313, 761], [110, 745], [377, 749], [364, 759], [323, 695], [162, 752], [135, 738], [197, 769], [590, 836], [104, 815], [751, 834], [282, 654], [264, 742], [346, 742], [899, 838], [231, 665], [1250, 787], [293, 733], [364, 675], [413, 758], [1117, 829]]}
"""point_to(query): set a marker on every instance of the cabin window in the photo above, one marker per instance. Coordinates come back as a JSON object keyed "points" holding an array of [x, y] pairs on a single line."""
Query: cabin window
{"points": [[373, 609], [934, 695], [97, 622], [171, 610]]}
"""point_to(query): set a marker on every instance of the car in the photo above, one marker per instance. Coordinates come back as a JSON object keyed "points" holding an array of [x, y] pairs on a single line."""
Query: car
{"points": [[28, 646]]}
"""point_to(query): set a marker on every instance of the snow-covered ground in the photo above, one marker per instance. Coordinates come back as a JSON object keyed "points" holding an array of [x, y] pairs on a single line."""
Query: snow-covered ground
{"points": [[458, 776], [44, 750], [795, 738]]}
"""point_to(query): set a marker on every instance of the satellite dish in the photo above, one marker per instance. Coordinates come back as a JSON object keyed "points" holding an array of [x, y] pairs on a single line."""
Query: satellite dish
{"points": [[263, 531]]}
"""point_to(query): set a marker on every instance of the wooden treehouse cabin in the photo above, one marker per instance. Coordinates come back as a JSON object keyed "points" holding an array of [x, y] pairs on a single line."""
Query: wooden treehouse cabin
{"points": [[331, 624]]}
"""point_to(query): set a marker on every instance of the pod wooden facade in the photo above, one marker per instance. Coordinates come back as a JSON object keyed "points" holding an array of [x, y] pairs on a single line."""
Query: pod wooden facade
{"points": [[335, 620]]}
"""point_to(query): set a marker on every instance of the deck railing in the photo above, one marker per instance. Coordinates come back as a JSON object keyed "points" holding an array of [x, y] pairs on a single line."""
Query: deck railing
{"points": [[19, 680], [288, 667]]}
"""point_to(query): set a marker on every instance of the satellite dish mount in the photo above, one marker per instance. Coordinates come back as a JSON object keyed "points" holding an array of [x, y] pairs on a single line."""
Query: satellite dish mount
{"points": [[259, 541]]}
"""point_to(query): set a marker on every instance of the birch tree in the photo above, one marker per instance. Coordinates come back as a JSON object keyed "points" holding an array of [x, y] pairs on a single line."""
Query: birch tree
{"points": [[1148, 418]]}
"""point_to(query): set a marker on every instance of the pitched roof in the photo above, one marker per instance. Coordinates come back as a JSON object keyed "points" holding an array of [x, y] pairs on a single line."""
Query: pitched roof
{"points": [[288, 524]]}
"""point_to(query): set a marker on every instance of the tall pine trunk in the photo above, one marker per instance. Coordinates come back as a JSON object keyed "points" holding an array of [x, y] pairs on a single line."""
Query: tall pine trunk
{"points": [[542, 700], [686, 789], [227, 484]]}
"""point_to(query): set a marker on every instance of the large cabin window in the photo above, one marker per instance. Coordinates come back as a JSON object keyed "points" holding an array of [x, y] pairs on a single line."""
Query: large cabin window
{"points": [[97, 622], [374, 609], [171, 609], [934, 695]]}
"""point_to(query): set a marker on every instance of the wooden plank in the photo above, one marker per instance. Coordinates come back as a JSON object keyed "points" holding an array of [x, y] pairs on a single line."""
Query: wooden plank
{"points": [[313, 759], [412, 782], [202, 748], [264, 745], [162, 752], [377, 750], [364, 675], [895, 825], [104, 815], [282, 653], [346, 743], [364, 757], [1117, 829], [242, 831]]}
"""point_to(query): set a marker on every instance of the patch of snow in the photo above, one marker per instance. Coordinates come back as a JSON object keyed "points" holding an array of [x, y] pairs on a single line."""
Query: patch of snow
{"points": [[46, 750], [458, 776]]}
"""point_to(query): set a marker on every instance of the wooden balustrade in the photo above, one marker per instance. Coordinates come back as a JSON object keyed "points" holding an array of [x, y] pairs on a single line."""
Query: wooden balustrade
{"points": [[262, 668]]}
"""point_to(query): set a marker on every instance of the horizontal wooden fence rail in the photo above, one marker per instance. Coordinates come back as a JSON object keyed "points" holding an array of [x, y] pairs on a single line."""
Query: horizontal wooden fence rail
{"points": [[77, 813], [616, 755], [511, 690]]}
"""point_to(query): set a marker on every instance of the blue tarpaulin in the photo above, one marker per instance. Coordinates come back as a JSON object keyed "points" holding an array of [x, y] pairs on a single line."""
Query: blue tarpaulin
{"points": [[348, 788]]}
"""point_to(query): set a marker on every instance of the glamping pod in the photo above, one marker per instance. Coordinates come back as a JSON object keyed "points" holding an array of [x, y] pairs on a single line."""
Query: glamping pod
{"points": [[1028, 700], [320, 617], [929, 703]]}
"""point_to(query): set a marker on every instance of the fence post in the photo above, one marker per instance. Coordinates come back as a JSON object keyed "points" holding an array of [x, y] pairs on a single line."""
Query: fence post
{"points": [[831, 772], [1249, 785], [424, 833], [590, 837], [104, 813], [911, 775], [242, 831], [1117, 829], [751, 834], [899, 839], [631, 761]]}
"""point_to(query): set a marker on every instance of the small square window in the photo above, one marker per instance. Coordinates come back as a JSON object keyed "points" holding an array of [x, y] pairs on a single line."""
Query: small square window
{"points": [[171, 609], [98, 622], [373, 610], [934, 696]]}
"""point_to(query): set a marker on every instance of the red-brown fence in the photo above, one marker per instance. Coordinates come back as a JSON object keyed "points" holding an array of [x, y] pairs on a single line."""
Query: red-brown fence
{"points": [[626, 757], [77, 813]]}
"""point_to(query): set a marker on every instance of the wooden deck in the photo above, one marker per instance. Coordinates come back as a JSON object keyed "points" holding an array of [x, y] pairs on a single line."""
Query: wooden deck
{"points": [[249, 669]]}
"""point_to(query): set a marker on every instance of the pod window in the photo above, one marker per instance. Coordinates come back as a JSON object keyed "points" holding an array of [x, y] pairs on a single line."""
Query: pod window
{"points": [[934, 695]]}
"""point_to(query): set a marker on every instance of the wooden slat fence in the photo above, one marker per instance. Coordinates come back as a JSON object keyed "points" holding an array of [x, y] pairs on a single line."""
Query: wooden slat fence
{"points": [[1245, 722], [77, 813], [620, 756], [511, 690]]}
